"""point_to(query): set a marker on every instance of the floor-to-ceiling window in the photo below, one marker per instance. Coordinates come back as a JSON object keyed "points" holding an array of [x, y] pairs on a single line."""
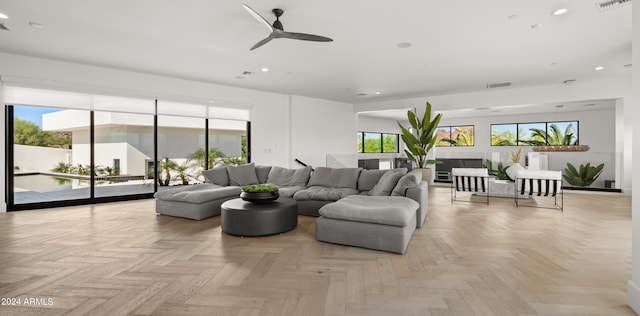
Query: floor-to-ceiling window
{"points": [[68, 148], [123, 146], [45, 167]]}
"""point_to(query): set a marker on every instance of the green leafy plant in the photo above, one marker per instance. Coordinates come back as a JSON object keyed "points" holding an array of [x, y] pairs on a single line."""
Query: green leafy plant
{"points": [[421, 139], [253, 188], [584, 176], [500, 172]]}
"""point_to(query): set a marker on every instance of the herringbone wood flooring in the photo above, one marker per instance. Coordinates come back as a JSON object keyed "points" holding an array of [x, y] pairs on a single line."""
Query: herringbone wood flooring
{"points": [[468, 259]]}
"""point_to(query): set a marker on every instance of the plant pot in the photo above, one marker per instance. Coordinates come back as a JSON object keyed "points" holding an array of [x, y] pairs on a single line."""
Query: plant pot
{"points": [[427, 174], [258, 197], [513, 170]]}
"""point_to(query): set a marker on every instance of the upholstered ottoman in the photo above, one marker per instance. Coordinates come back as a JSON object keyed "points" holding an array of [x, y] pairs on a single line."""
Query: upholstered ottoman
{"points": [[376, 222], [196, 201]]}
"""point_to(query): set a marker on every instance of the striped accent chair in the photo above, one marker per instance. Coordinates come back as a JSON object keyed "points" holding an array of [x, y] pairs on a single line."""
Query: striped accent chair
{"points": [[473, 180], [540, 185]]}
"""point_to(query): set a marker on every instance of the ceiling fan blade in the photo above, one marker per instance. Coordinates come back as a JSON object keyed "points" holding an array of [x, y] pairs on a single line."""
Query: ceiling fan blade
{"points": [[262, 42], [258, 17], [305, 37]]}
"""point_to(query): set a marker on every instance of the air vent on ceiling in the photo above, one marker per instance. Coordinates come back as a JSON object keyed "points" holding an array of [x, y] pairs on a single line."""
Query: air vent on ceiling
{"points": [[498, 85], [608, 5], [4, 28]]}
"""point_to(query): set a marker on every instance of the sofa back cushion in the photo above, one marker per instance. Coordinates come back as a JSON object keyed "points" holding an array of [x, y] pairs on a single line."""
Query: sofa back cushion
{"points": [[262, 172], [217, 176], [335, 177], [242, 175], [409, 180], [284, 177], [387, 182], [369, 178]]}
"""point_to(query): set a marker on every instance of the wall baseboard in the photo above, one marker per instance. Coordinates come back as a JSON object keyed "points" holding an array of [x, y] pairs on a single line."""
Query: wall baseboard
{"points": [[633, 296]]}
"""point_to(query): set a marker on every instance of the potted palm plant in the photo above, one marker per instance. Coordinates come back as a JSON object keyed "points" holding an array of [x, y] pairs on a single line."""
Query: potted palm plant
{"points": [[420, 139]]}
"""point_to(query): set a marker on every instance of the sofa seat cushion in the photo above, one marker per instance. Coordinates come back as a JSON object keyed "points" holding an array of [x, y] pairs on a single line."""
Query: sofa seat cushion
{"points": [[385, 210], [320, 193], [289, 191], [198, 193]]}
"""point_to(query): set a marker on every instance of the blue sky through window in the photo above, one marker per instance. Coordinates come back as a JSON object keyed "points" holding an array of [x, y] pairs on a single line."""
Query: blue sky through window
{"points": [[32, 113]]}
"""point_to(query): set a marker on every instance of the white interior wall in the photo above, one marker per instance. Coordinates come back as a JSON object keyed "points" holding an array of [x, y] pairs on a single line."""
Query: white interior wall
{"points": [[378, 125], [320, 127], [596, 129], [3, 204], [271, 113], [633, 286], [619, 89]]}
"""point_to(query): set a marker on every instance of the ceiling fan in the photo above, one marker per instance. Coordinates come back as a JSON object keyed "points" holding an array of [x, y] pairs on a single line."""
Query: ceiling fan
{"points": [[277, 31]]}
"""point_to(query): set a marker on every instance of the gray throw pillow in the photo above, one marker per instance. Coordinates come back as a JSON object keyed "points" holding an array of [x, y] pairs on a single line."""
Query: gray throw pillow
{"points": [[217, 176], [284, 177], [410, 179], [242, 175], [369, 178], [386, 183], [262, 172]]}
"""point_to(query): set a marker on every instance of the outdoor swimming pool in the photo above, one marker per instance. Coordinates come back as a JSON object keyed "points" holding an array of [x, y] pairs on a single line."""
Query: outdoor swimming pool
{"points": [[46, 183]]}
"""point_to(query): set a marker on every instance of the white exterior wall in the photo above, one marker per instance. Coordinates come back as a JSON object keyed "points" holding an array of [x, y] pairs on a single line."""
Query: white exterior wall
{"points": [[40, 159]]}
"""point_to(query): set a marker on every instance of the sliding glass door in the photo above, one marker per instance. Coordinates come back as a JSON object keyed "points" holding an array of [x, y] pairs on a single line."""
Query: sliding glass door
{"points": [[123, 146], [66, 148], [50, 154]]}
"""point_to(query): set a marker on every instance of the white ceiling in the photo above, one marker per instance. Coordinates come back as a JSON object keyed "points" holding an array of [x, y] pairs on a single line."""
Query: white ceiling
{"points": [[457, 46], [575, 106]]}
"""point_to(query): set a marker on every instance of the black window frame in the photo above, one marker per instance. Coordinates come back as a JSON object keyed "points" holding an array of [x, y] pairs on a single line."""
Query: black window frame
{"points": [[361, 150], [451, 127], [92, 199], [546, 128]]}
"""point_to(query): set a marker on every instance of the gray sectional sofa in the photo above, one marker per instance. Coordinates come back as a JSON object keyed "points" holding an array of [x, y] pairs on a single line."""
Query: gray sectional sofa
{"points": [[332, 194]]}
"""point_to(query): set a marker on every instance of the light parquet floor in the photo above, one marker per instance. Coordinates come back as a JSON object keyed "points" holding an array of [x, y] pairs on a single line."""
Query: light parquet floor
{"points": [[468, 259]]}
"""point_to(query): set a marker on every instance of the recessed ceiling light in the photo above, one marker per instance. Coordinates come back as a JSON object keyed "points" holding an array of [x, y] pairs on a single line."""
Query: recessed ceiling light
{"points": [[599, 68], [377, 92], [3, 16], [536, 26], [404, 44], [36, 25], [559, 11], [264, 69]]}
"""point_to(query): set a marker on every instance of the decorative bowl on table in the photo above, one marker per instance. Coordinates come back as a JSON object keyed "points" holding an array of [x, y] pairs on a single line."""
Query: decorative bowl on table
{"points": [[259, 193]]}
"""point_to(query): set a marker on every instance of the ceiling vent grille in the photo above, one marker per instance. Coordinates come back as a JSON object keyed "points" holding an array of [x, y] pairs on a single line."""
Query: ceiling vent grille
{"points": [[608, 5], [3, 27], [498, 85]]}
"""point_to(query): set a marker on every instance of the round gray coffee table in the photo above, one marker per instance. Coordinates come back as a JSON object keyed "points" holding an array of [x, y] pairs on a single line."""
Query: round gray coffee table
{"points": [[243, 218]]}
